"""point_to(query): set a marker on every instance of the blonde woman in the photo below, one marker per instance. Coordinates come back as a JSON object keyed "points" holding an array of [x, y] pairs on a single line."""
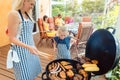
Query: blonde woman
{"points": [[26, 63]]}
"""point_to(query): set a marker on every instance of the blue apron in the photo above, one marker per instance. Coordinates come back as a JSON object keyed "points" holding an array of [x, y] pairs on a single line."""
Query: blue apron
{"points": [[28, 65], [63, 52], [63, 48]]}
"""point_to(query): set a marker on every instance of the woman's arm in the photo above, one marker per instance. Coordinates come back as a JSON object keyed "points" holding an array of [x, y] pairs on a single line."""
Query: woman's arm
{"points": [[13, 23]]}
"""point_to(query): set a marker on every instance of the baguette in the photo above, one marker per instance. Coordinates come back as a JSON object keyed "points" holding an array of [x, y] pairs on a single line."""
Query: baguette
{"points": [[92, 69], [89, 65]]}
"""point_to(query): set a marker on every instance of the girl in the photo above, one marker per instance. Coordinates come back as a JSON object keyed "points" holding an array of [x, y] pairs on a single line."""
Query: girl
{"points": [[62, 43]]}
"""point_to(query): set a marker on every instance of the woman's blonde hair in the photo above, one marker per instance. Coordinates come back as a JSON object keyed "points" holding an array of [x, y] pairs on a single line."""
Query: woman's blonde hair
{"points": [[17, 4], [62, 29]]}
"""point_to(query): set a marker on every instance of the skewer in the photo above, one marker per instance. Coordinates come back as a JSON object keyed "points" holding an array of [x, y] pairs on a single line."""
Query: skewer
{"points": [[48, 56]]}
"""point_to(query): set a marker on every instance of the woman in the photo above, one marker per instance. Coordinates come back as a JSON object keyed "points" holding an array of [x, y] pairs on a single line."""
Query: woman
{"points": [[46, 27], [59, 22], [20, 26], [45, 23]]}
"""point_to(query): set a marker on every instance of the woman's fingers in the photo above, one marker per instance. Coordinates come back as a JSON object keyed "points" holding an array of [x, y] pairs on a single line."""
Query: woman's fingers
{"points": [[33, 50]]}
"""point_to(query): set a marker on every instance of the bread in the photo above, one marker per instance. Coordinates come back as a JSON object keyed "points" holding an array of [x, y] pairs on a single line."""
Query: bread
{"points": [[89, 65], [92, 69]]}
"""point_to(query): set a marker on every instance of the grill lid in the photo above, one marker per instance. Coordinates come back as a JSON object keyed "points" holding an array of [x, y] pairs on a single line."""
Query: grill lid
{"points": [[102, 47]]}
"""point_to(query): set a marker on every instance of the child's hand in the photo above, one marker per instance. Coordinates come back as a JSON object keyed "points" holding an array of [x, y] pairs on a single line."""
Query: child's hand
{"points": [[55, 49], [73, 41]]}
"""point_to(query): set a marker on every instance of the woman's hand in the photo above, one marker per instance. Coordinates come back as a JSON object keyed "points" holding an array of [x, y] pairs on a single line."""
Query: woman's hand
{"points": [[33, 50]]}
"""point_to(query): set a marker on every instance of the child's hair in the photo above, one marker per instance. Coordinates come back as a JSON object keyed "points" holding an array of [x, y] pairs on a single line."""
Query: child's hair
{"points": [[62, 29]]}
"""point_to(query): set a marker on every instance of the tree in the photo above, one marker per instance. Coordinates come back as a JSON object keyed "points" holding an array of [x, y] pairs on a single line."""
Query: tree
{"points": [[72, 7], [92, 6], [58, 0], [56, 9], [69, 9]]}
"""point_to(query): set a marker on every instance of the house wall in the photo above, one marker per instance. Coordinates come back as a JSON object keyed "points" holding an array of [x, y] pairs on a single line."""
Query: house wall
{"points": [[45, 8], [5, 7]]}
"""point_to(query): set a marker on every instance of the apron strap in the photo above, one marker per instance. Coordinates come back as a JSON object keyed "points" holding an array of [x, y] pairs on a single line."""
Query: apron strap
{"points": [[28, 16], [22, 16], [64, 41]]}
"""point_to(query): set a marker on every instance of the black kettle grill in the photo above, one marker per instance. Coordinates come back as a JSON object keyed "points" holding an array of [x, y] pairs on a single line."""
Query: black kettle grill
{"points": [[105, 48]]}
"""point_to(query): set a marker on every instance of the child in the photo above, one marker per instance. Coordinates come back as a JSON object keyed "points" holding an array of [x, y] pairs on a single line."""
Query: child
{"points": [[62, 43]]}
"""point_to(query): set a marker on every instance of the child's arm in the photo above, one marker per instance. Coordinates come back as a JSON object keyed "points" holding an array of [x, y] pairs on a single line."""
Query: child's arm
{"points": [[54, 45], [72, 41]]}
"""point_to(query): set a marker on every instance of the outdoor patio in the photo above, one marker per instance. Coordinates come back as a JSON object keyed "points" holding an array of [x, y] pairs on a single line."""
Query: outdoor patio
{"points": [[6, 74]]}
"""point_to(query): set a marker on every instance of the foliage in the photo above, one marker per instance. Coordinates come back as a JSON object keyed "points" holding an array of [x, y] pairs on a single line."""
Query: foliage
{"points": [[72, 7], [90, 6], [57, 9], [69, 9], [109, 19], [97, 20], [58, 0], [115, 73]]}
